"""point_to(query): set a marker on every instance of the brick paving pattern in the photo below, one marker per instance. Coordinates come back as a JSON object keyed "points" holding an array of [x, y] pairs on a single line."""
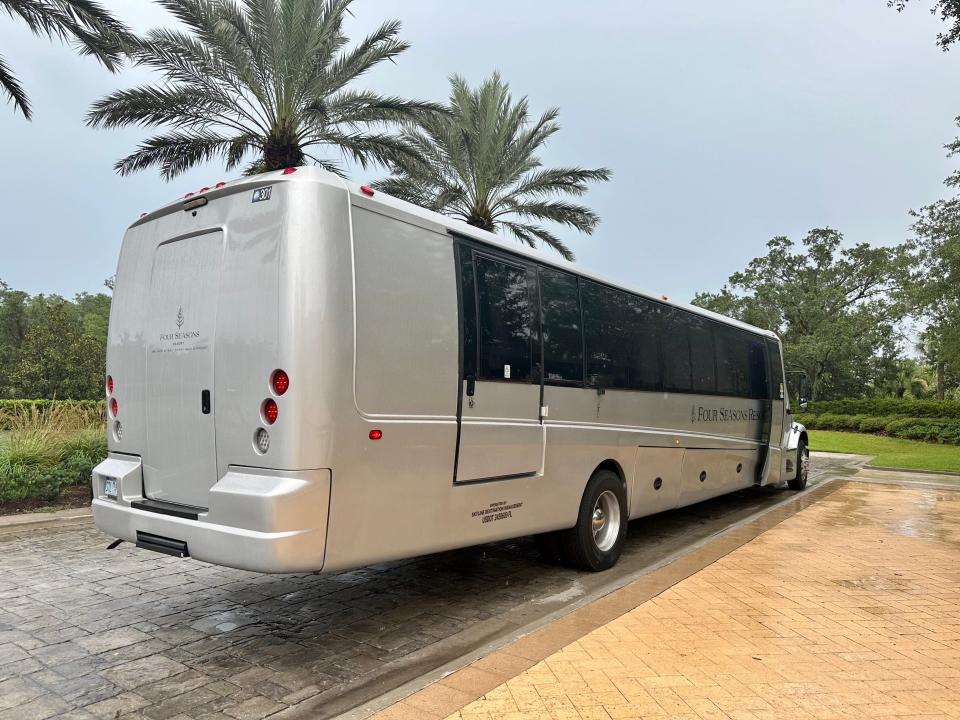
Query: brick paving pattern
{"points": [[848, 609], [88, 633]]}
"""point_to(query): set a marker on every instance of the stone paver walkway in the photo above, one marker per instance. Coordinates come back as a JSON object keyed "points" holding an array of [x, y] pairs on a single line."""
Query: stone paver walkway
{"points": [[848, 609]]}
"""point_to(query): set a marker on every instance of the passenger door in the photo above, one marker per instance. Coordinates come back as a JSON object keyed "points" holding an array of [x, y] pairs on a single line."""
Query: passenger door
{"points": [[777, 407], [500, 434]]}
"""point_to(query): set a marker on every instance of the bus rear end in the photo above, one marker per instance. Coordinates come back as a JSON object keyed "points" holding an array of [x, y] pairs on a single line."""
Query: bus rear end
{"points": [[215, 358]]}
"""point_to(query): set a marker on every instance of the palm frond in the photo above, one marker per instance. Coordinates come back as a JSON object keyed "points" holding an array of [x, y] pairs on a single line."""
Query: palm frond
{"points": [[268, 76], [84, 23], [14, 90], [479, 162], [175, 152]]}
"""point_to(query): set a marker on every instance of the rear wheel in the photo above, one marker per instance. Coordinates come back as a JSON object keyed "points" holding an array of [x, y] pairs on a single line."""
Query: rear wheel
{"points": [[595, 543], [803, 467]]}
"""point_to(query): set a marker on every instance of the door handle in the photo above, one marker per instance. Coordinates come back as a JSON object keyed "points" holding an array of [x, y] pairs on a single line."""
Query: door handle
{"points": [[471, 385], [205, 402]]}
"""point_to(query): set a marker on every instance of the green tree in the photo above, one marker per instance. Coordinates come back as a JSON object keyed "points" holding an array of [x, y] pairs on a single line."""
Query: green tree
{"points": [[57, 359], [13, 330], [479, 163], [85, 22], [267, 80], [937, 230], [949, 12], [836, 308]]}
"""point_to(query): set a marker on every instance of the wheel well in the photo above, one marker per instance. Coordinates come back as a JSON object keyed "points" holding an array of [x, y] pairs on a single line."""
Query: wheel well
{"points": [[613, 466], [803, 436]]}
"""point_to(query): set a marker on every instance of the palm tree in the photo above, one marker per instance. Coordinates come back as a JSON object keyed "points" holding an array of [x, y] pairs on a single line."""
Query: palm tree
{"points": [[86, 22], [479, 163], [267, 78]]}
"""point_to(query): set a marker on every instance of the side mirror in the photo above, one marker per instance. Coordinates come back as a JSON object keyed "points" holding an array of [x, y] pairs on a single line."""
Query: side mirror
{"points": [[804, 404]]}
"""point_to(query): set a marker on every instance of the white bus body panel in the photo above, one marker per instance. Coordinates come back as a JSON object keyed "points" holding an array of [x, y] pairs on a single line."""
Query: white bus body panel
{"points": [[356, 299]]}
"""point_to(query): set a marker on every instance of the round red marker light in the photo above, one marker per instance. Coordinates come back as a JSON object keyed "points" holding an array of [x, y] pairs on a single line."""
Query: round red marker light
{"points": [[280, 382], [204, 189], [366, 190], [220, 185], [376, 434], [114, 407], [289, 171], [270, 411]]}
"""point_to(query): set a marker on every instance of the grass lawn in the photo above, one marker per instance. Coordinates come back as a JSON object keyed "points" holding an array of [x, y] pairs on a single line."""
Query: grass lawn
{"points": [[889, 452]]}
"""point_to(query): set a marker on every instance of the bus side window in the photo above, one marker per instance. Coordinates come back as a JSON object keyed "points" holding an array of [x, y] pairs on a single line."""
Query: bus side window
{"points": [[776, 370], [468, 300], [702, 361], [675, 350], [612, 337], [759, 385], [505, 312], [562, 334]]}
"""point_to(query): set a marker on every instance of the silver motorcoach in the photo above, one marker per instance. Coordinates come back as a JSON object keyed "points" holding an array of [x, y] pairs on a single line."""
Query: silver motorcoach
{"points": [[306, 375]]}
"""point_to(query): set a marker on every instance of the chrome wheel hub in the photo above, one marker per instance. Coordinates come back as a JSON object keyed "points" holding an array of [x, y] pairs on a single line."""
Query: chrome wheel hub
{"points": [[606, 520]]}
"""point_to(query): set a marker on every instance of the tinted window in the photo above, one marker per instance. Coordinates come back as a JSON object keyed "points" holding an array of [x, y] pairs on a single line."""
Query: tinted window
{"points": [[702, 372], [505, 312], [776, 370], [468, 295], [733, 361], [675, 351], [621, 338], [758, 369], [562, 337]]}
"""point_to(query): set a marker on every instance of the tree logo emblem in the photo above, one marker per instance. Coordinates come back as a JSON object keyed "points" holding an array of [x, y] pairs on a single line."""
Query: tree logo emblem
{"points": [[180, 317]]}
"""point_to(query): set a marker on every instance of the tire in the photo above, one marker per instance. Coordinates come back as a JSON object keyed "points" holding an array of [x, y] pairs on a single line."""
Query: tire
{"points": [[597, 547], [803, 467], [548, 544]]}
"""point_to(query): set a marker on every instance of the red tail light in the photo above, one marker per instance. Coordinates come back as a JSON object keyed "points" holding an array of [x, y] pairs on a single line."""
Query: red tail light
{"points": [[280, 382], [109, 384], [270, 411], [114, 407]]}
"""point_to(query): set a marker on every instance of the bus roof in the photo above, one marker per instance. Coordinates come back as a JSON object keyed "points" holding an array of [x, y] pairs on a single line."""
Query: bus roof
{"points": [[452, 225]]}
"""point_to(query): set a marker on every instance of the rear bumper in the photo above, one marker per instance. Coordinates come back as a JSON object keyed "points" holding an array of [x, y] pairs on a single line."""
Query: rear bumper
{"points": [[262, 520]]}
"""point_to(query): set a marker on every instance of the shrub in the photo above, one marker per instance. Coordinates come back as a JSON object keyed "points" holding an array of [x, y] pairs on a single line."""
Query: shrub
{"points": [[49, 446], [879, 407], [53, 414]]}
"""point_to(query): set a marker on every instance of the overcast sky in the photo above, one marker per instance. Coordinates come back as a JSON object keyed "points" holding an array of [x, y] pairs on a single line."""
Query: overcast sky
{"points": [[726, 123]]}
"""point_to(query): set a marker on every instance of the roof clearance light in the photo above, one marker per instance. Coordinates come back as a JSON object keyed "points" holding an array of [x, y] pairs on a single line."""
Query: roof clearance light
{"points": [[219, 185], [366, 190], [204, 189], [114, 407], [280, 382], [289, 171], [376, 434], [270, 411], [189, 194], [143, 215]]}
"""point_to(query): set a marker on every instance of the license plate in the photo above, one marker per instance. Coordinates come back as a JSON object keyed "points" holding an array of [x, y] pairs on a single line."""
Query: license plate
{"points": [[110, 488]]}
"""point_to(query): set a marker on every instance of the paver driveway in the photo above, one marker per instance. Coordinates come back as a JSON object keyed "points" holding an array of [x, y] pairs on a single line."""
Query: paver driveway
{"points": [[86, 632], [848, 609]]}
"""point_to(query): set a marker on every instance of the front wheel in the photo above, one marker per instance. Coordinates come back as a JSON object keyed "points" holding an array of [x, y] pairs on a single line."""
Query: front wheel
{"points": [[595, 543], [803, 467]]}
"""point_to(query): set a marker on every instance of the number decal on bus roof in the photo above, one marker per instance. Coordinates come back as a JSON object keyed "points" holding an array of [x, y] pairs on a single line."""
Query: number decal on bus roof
{"points": [[261, 194]]}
